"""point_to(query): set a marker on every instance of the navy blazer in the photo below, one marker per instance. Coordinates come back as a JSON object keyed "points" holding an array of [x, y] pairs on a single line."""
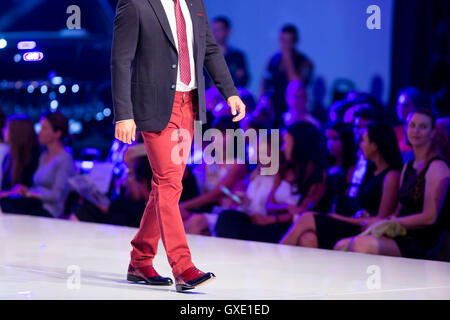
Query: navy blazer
{"points": [[144, 62]]}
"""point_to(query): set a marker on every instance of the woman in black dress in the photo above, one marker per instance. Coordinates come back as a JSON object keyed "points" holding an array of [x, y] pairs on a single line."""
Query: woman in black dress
{"points": [[377, 195], [423, 197]]}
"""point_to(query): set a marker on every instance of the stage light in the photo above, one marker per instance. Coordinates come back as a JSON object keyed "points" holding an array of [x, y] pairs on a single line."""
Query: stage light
{"points": [[62, 89], [99, 116], [52, 95], [37, 127], [30, 88], [33, 56], [26, 45], [17, 58], [107, 112], [75, 88], [53, 105], [3, 43], [57, 80], [75, 127], [44, 89]]}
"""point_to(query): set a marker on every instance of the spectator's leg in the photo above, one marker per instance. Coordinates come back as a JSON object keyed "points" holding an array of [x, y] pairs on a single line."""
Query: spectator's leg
{"points": [[305, 223], [371, 245], [308, 239]]}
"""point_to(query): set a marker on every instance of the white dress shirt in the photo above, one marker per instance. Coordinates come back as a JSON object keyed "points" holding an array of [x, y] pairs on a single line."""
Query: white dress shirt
{"points": [[169, 8]]}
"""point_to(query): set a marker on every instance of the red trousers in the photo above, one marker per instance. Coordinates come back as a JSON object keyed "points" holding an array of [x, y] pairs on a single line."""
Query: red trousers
{"points": [[162, 218]]}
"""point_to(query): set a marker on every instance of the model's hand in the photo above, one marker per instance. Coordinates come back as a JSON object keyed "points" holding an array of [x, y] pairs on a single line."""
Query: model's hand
{"points": [[236, 104], [126, 131]]}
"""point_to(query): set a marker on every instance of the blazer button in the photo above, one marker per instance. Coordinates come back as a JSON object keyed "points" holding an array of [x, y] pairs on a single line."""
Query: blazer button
{"points": [[173, 86], [174, 66]]}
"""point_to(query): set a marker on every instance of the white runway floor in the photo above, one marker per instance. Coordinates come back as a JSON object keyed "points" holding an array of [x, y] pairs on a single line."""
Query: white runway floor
{"points": [[40, 257]]}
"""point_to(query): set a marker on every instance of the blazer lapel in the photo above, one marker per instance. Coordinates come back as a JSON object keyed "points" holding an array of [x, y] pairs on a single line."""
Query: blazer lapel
{"points": [[162, 17]]}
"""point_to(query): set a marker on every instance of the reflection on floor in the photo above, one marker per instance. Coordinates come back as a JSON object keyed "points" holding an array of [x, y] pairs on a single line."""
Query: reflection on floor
{"points": [[44, 258]]}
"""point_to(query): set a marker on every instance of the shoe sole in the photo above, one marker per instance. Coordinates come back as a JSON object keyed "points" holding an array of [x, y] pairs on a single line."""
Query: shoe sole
{"points": [[182, 287], [133, 278]]}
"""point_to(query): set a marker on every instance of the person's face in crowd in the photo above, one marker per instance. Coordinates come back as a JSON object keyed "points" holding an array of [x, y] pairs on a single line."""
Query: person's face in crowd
{"points": [[297, 98], [47, 135], [287, 41], [368, 147], [288, 145], [334, 143], [404, 106], [220, 32], [419, 129], [359, 126]]}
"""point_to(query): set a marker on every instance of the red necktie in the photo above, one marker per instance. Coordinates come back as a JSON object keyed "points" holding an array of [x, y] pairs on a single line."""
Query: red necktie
{"points": [[183, 50]]}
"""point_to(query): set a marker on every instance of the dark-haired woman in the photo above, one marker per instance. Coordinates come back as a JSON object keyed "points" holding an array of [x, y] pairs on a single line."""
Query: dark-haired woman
{"points": [[21, 161], [50, 188], [298, 186], [341, 151], [423, 207], [377, 195]]}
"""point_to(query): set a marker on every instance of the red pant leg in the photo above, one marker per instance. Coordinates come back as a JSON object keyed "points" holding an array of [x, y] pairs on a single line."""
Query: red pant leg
{"points": [[162, 217]]}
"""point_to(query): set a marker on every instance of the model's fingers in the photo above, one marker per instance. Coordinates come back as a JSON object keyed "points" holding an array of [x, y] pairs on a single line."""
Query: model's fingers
{"points": [[233, 109], [241, 114]]}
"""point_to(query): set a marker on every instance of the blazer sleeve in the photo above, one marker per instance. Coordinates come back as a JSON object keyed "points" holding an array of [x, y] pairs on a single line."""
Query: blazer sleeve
{"points": [[124, 44], [215, 64]]}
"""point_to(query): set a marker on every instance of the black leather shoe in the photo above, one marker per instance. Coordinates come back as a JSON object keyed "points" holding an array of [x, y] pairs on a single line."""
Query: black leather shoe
{"points": [[192, 278], [147, 274]]}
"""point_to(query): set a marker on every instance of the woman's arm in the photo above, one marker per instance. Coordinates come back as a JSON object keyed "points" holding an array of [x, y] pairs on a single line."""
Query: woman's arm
{"points": [[233, 176], [389, 195], [436, 184]]}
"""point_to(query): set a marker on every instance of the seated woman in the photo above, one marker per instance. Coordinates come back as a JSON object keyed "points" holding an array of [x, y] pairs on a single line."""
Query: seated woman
{"points": [[50, 188], [297, 187], [376, 196], [423, 191], [341, 150], [21, 161], [212, 176]]}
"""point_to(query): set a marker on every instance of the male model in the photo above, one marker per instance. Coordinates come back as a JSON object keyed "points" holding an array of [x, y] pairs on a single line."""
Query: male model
{"points": [[158, 53]]}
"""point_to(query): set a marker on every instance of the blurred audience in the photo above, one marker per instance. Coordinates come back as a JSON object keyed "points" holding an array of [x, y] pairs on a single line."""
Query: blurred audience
{"points": [[298, 187], [4, 147], [48, 193], [341, 151], [408, 100], [286, 65], [377, 196], [235, 58], [216, 171], [297, 101], [423, 208], [22, 159]]}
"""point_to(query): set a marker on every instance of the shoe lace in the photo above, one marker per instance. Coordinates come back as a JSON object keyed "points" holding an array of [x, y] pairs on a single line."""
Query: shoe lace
{"points": [[196, 270]]}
